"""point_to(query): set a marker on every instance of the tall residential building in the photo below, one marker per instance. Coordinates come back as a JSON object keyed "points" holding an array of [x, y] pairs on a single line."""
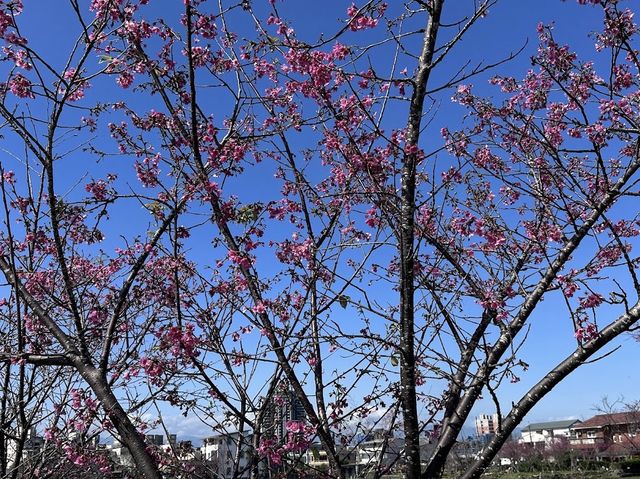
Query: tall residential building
{"points": [[155, 439], [158, 439], [283, 407], [486, 424]]}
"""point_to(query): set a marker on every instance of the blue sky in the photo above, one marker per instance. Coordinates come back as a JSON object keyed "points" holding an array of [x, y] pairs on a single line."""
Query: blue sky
{"points": [[508, 26]]}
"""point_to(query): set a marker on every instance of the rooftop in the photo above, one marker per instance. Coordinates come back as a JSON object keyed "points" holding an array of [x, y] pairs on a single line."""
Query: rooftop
{"points": [[601, 420], [564, 424]]}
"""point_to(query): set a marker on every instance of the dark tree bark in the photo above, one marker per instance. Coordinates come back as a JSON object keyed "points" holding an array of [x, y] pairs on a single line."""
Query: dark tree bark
{"points": [[406, 246]]}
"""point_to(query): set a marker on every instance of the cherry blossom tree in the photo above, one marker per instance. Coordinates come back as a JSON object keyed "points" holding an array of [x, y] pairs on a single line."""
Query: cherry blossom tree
{"points": [[208, 208]]}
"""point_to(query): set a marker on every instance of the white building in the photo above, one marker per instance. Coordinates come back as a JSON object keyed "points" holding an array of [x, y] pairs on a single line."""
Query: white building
{"points": [[181, 450], [373, 451], [378, 449], [32, 447], [120, 454], [547, 432], [222, 450]]}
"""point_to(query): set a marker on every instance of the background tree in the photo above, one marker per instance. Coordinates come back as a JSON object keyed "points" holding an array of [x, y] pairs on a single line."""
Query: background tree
{"points": [[385, 271]]}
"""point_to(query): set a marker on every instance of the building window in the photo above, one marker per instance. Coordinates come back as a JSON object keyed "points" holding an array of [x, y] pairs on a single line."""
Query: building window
{"points": [[591, 434]]}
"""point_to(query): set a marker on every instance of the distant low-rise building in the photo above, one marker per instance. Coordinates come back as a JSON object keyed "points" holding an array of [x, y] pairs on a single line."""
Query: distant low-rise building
{"points": [[120, 454], [316, 458], [546, 433], [377, 450], [223, 450], [615, 435], [31, 447]]}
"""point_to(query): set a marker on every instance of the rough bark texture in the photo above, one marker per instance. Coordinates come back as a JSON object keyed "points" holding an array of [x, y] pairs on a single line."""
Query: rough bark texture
{"points": [[129, 435], [411, 424]]}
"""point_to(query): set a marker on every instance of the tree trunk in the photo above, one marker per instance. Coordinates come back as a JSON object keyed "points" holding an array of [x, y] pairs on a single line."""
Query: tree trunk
{"points": [[411, 425], [129, 435]]}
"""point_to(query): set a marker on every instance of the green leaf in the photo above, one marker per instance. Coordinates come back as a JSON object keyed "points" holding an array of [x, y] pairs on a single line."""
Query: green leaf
{"points": [[249, 213]]}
